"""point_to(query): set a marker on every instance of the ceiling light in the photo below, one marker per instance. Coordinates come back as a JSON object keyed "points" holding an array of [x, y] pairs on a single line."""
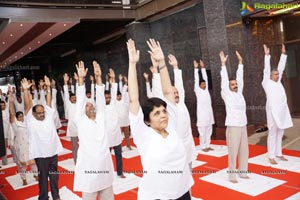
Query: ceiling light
{"points": [[9, 60], [11, 35], [65, 24], [38, 42], [16, 56], [22, 53], [3, 42], [21, 24], [50, 34], [29, 48]]}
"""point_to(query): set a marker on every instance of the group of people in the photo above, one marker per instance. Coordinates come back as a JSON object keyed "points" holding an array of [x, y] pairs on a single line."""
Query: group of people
{"points": [[160, 126]]}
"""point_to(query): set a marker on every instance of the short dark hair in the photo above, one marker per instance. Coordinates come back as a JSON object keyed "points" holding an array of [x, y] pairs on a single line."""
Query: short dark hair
{"points": [[106, 92], [149, 105], [2, 102], [87, 92], [202, 81], [119, 93], [232, 79], [35, 107], [71, 95], [19, 113]]}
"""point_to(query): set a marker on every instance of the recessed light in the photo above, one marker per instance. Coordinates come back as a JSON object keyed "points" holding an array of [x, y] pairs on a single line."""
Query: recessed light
{"points": [[16, 56], [11, 35], [3, 42], [21, 24], [22, 53], [65, 24], [29, 48], [50, 34], [9, 60], [38, 42]]}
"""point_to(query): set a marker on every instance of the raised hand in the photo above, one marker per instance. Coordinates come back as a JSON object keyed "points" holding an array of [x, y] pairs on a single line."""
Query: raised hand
{"points": [[155, 50], [223, 58], [239, 57], [196, 64], [266, 50], [97, 70], [10, 94], [75, 76], [81, 71], [66, 78], [173, 61], [153, 69], [25, 84], [133, 54], [53, 83], [146, 76], [283, 51], [106, 77], [112, 76], [201, 64], [92, 78], [47, 81], [155, 64], [120, 77]]}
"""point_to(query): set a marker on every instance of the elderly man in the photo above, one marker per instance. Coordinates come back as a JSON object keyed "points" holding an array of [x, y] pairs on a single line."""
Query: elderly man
{"points": [[278, 114], [236, 119], [44, 143], [94, 167]]}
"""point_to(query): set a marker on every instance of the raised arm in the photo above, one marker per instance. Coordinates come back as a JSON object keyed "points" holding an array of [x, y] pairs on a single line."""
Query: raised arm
{"points": [[240, 72], [125, 97], [267, 66], [224, 74], [157, 53], [114, 85], [178, 82], [48, 91], [11, 106], [92, 87], [121, 83], [66, 90], [133, 90], [148, 87], [80, 94], [282, 62], [100, 99], [196, 76], [27, 102]]}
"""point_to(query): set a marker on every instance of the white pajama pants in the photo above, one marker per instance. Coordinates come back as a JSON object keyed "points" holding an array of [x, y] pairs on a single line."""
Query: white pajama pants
{"points": [[205, 134], [105, 194]]}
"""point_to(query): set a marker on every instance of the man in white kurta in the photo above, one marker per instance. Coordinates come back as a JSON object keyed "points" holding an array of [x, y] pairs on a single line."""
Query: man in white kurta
{"points": [[278, 114], [205, 116], [6, 126], [112, 125], [70, 104], [44, 143], [183, 121], [236, 120], [94, 167]]}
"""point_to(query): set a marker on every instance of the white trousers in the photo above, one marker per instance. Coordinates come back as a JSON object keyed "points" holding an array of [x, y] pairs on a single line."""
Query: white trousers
{"points": [[205, 134], [275, 141], [106, 194], [237, 143]]}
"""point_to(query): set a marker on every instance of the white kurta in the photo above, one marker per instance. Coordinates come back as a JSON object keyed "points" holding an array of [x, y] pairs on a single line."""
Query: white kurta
{"points": [[123, 106], [53, 105], [5, 119], [183, 128], [21, 143], [166, 172], [205, 116], [71, 110], [42, 136], [276, 106], [234, 101], [94, 167], [112, 126]]}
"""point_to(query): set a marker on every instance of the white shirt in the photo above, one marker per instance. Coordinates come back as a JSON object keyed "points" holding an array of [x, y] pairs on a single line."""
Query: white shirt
{"points": [[112, 120], [5, 119], [43, 139], [183, 128], [234, 101], [276, 97], [71, 110], [123, 106], [94, 167], [161, 157], [205, 115]]}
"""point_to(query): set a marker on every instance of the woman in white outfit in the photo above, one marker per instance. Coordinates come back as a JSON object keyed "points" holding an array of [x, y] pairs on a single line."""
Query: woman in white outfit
{"points": [[163, 155], [21, 142]]}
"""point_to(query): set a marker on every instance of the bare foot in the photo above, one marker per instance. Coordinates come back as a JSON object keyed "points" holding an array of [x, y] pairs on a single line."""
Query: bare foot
{"points": [[25, 182], [122, 176], [233, 181], [210, 149], [282, 158], [272, 161], [205, 150], [36, 177]]}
